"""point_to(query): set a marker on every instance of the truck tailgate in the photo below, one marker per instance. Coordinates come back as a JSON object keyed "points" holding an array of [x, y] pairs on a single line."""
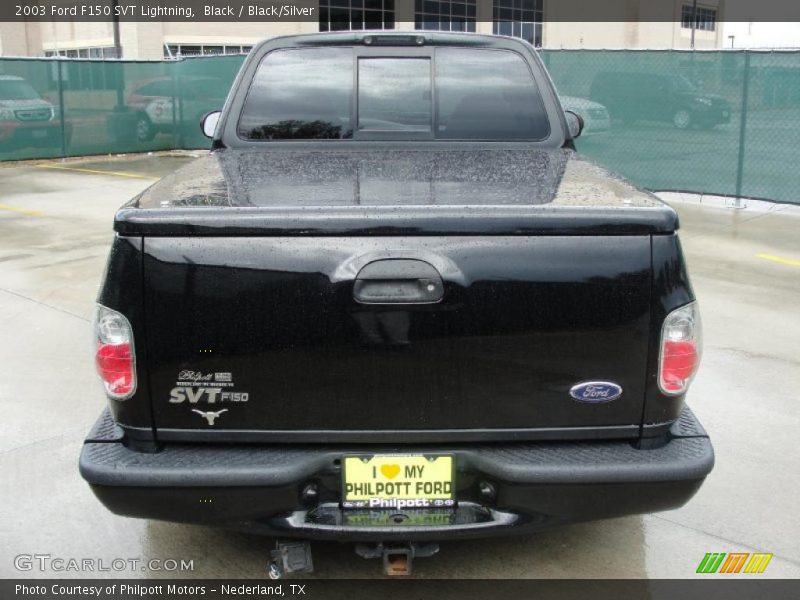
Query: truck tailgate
{"points": [[263, 338]]}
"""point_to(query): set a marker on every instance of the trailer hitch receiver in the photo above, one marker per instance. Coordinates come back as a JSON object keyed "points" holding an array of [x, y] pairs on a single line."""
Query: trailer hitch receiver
{"points": [[397, 558]]}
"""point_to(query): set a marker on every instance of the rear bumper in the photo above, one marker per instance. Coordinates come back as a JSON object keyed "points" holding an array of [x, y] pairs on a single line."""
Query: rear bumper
{"points": [[259, 488]]}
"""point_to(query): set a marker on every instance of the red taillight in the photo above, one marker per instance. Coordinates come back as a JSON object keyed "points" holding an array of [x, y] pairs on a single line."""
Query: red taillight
{"points": [[115, 366], [678, 365], [114, 355], [680, 349]]}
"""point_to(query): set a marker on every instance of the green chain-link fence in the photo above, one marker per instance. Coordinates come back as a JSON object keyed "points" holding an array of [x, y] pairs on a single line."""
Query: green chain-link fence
{"points": [[720, 122], [723, 122], [57, 107]]}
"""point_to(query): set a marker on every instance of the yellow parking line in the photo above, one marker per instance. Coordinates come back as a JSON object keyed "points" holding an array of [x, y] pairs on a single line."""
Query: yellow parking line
{"points": [[22, 211], [779, 259], [99, 172]]}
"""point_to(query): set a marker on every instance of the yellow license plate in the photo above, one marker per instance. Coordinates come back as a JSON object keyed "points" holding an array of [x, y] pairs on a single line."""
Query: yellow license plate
{"points": [[394, 481]]}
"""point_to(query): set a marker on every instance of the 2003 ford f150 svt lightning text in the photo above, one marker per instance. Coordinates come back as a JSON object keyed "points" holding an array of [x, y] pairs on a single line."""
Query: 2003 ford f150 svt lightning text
{"points": [[393, 306]]}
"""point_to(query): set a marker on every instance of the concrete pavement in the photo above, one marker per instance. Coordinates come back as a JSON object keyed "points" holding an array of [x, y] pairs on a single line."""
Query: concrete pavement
{"points": [[55, 229]]}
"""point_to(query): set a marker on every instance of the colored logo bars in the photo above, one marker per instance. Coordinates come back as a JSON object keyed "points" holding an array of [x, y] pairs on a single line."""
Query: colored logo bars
{"points": [[734, 562]]}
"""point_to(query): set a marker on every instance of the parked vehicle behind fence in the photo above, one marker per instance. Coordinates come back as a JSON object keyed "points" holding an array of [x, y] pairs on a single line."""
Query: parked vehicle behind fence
{"points": [[27, 119], [634, 96], [162, 104]]}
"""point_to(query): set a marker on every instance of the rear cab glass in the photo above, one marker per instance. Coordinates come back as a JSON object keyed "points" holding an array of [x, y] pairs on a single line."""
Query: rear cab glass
{"points": [[335, 93]]}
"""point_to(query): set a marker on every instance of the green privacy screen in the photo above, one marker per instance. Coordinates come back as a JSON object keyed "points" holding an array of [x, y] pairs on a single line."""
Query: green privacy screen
{"points": [[59, 107], [724, 122], [719, 122]]}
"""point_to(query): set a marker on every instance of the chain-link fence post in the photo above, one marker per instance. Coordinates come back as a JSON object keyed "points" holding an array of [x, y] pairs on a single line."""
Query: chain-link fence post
{"points": [[176, 138], [181, 116], [742, 129], [61, 109]]}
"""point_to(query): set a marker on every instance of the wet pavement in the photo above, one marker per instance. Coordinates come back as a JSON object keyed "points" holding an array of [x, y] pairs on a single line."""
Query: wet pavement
{"points": [[55, 230]]}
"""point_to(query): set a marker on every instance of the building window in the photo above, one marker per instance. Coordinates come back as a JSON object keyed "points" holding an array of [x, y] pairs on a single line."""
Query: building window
{"points": [[520, 19], [86, 74], [94, 52], [344, 15], [445, 15], [181, 50], [705, 19]]}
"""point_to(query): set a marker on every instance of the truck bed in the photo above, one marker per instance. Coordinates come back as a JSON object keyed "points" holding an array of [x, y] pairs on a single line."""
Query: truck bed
{"points": [[468, 191]]}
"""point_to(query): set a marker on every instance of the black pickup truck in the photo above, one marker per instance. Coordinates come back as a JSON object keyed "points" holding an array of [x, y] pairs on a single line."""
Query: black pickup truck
{"points": [[394, 306]]}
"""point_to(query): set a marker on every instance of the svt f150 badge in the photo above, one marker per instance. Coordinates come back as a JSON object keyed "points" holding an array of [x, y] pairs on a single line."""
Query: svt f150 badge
{"points": [[595, 391]]}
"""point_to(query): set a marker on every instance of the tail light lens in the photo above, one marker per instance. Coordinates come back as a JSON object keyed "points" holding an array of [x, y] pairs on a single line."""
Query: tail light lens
{"points": [[680, 349], [114, 356]]}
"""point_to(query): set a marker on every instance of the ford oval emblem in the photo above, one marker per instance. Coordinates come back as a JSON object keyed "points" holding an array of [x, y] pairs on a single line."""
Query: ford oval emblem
{"points": [[595, 391]]}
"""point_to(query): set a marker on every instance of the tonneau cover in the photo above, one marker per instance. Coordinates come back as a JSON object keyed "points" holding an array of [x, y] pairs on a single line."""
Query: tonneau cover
{"points": [[279, 192]]}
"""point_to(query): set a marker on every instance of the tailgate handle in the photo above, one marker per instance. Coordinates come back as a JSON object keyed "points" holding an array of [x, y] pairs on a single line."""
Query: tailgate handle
{"points": [[398, 281]]}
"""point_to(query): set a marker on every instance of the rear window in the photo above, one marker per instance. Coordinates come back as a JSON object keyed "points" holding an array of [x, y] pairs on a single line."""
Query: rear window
{"points": [[486, 95], [394, 94], [453, 94]]}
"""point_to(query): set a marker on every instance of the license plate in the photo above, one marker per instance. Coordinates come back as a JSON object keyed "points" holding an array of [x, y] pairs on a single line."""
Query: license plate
{"points": [[393, 481]]}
